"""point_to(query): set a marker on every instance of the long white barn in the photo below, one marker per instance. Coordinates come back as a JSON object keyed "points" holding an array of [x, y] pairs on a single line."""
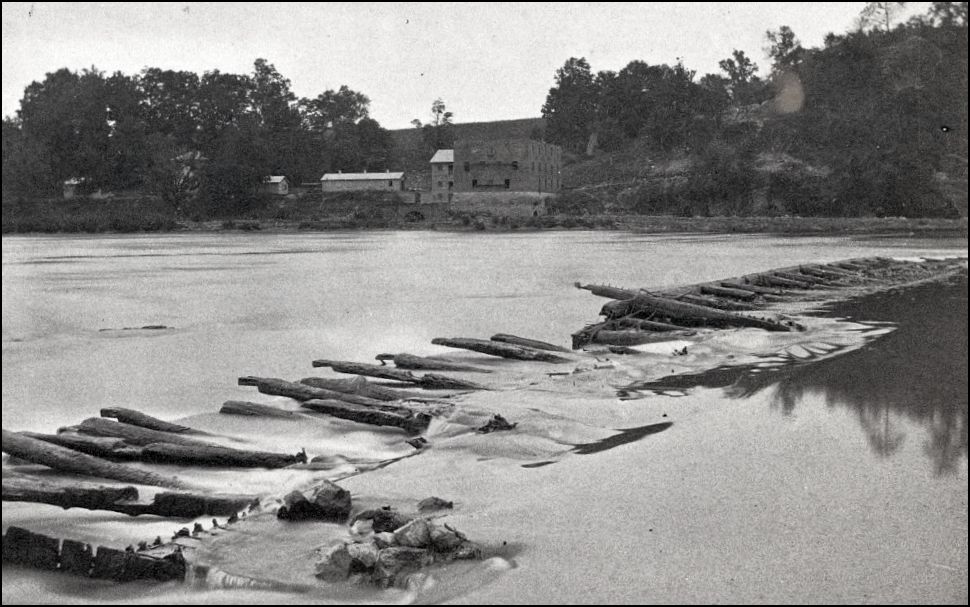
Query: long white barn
{"points": [[348, 182]]}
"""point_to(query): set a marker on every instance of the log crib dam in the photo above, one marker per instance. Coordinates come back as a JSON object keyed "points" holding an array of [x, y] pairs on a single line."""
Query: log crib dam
{"points": [[253, 469]]}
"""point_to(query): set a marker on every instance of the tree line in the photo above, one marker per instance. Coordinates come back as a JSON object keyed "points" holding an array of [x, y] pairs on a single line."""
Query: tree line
{"points": [[881, 109], [178, 134]]}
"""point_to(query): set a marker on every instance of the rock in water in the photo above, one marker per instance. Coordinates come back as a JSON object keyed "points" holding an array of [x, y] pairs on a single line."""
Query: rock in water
{"points": [[363, 554], [384, 519], [416, 534], [393, 561], [335, 564], [430, 504], [497, 424], [327, 502], [444, 540]]}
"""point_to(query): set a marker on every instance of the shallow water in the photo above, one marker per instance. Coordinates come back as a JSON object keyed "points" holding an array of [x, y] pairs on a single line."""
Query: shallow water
{"points": [[730, 501], [268, 304]]}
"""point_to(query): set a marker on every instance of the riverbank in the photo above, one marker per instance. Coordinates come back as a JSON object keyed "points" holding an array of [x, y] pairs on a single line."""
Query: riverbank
{"points": [[147, 214]]}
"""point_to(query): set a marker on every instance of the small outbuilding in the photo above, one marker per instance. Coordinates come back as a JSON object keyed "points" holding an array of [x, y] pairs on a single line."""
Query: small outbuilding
{"points": [[276, 184]]}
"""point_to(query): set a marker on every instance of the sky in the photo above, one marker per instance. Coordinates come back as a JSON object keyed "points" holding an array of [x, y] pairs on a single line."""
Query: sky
{"points": [[486, 61]]}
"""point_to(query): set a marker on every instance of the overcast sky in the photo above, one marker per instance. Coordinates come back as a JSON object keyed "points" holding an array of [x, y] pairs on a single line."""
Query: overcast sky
{"points": [[487, 61]]}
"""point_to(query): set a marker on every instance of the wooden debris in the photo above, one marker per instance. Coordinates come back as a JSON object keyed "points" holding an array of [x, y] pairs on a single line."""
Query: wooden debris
{"points": [[215, 455], [301, 391], [407, 420], [753, 288], [717, 302], [361, 386], [770, 280], [410, 361], [497, 348], [241, 407], [75, 494], [741, 294], [68, 460], [799, 277], [137, 418], [428, 381], [528, 343], [101, 446], [634, 338], [646, 325], [678, 310], [124, 499], [608, 291], [133, 435]]}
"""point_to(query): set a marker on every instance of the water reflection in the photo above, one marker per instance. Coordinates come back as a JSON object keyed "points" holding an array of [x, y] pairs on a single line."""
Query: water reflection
{"points": [[916, 373]]}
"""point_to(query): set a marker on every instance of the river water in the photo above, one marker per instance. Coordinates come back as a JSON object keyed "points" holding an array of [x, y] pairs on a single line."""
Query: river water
{"points": [[268, 304]]}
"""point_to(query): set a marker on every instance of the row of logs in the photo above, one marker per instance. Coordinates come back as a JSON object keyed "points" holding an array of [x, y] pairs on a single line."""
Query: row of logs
{"points": [[636, 316]]}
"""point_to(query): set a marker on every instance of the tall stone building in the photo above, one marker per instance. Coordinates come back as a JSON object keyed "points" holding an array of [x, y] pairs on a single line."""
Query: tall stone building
{"points": [[518, 165], [442, 175], [503, 177]]}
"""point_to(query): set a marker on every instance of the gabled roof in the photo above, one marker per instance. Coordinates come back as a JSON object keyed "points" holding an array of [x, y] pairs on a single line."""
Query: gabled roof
{"points": [[443, 156], [274, 178], [361, 176]]}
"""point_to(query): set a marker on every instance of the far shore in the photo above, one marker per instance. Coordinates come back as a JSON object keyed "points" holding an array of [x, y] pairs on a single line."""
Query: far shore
{"points": [[645, 224]]}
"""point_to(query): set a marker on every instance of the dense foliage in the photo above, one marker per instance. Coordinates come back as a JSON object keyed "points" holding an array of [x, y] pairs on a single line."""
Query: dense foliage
{"points": [[176, 133], [880, 113]]}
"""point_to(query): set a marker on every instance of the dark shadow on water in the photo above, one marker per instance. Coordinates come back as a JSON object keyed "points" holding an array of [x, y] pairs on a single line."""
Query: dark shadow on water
{"points": [[918, 370], [625, 436]]}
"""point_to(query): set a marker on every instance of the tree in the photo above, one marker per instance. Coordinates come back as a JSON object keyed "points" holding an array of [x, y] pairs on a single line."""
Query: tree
{"points": [[879, 14], [570, 107], [745, 86], [439, 133], [26, 171], [784, 49]]}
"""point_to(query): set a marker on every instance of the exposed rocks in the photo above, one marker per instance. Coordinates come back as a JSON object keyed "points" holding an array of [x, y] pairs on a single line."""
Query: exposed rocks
{"points": [[496, 424], [326, 502], [384, 519], [430, 504], [387, 559]]}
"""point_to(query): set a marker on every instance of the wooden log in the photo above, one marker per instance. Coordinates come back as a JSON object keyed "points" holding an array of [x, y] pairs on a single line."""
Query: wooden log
{"points": [[410, 361], [799, 277], [171, 504], [777, 281], [635, 338], [415, 423], [608, 291], [31, 549], [528, 343], [646, 325], [717, 302], [753, 288], [137, 418], [76, 494], [428, 381], [301, 391], [731, 293], [359, 385], [241, 407], [76, 557], [68, 460], [133, 435], [101, 446], [824, 274], [92, 496], [682, 310], [212, 455], [495, 348], [852, 267]]}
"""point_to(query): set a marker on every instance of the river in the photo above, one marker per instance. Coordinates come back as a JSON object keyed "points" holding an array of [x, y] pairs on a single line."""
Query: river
{"points": [[267, 304]]}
